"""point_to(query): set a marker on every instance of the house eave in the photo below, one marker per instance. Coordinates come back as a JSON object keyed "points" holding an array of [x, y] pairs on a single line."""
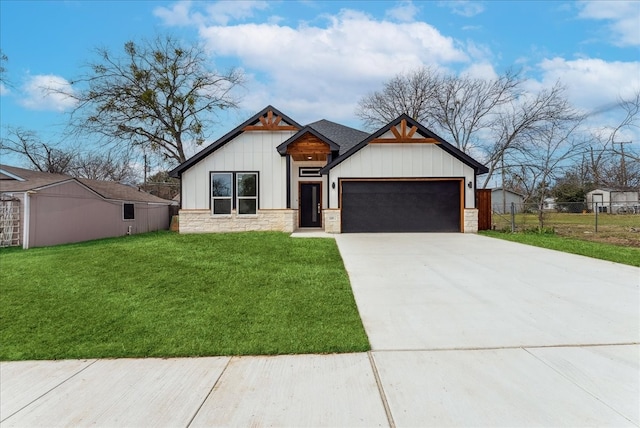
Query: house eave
{"points": [[177, 172], [442, 143]]}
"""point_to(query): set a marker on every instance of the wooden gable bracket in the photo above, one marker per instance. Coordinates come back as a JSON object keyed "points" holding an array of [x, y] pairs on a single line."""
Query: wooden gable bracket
{"points": [[404, 135], [309, 148], [270, 122]]}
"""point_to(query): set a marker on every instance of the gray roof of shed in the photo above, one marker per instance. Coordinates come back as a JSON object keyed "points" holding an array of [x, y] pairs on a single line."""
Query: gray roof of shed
{"points": [[34, 180]]}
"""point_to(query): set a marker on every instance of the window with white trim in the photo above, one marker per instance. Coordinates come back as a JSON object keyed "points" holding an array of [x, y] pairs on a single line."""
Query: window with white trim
{"points": [[128, 211], [247, 193], [221, 193]]}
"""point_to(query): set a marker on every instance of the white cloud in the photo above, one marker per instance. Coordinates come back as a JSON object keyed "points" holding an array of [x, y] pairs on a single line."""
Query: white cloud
{"points": [[320, 69], [222, 12], [623, 17], [42, 92], [481, 70], [464, 8], [4, 90], [592, 82], [405, 11], [178, 15]]}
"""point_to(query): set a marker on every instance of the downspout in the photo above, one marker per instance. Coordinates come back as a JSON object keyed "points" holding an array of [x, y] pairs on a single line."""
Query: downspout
{"points": [[26, 223]]}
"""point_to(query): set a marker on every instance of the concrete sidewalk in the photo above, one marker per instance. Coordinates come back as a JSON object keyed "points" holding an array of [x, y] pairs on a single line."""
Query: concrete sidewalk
{"points": [[582, 386], [465, 330]]}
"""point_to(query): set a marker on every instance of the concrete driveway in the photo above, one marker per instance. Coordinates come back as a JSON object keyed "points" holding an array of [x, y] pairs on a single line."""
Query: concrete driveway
{"points": [[456, 291], [473, 331]]}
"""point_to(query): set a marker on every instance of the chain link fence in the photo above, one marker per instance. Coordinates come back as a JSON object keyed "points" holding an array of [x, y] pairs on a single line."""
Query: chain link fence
{"points": [[616, 222]]}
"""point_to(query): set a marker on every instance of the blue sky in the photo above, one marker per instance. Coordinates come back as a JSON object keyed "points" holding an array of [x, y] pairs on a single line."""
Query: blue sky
{"points": [[316, 59]]}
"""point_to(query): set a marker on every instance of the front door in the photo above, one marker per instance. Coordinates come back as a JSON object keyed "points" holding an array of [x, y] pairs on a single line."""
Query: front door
{"points": [[310, 205]]}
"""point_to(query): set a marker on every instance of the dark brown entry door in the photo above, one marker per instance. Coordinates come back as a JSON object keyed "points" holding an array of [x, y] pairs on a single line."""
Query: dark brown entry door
{"points": [[310, 205]]}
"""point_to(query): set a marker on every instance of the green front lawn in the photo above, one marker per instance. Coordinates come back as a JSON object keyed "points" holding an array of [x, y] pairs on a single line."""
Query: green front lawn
{"points": [[169, 295], [598, 250]]}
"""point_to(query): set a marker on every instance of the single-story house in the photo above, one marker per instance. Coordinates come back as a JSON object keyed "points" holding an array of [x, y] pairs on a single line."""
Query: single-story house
{"points": [[272, 173], [501, 200], [39, 209], [549, 204], [612, 200]]}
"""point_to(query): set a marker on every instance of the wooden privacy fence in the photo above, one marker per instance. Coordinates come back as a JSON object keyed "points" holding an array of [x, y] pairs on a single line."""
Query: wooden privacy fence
{"points": [[483, 203]]}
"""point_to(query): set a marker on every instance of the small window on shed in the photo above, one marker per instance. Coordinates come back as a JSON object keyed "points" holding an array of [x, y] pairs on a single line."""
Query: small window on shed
{"points": [[129, 212]]}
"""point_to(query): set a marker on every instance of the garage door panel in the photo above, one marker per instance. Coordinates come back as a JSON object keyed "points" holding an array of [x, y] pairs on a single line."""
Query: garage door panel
{"points": [[401, 206]]}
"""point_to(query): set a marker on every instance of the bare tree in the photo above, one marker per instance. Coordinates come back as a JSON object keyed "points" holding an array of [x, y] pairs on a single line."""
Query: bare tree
{"points": [[613, 160], [460, 106], [485, 118], [112, 165], [465, 107], [40, 156], [3, 69], [158, 95], [545, 158], [524, 120], [411, 93], [162, 185]]}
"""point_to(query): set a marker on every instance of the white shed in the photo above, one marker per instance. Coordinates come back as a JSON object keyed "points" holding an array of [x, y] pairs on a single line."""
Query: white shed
{"points": [[501, 200], [612, 200]]}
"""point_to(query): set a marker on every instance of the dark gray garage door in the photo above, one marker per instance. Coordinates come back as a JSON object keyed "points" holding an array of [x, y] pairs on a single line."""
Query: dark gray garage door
{"points": [[401, 206]]}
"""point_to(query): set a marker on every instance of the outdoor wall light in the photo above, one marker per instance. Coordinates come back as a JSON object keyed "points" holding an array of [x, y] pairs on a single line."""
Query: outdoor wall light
{"points": [[470, 185], [333, 185]]}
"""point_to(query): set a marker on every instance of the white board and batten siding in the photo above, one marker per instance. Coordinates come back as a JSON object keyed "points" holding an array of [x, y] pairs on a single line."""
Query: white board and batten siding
{"points": [[402, 160], [296, 180], [249, 152]]}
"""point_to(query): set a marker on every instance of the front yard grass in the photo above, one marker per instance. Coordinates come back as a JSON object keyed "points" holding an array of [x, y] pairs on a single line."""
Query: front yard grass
{"points": [[598, 250], [169, 295]]}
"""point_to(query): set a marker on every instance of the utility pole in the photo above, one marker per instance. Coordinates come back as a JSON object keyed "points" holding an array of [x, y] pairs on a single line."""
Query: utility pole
{"points": [[504, 193], [623, 166], [145, 172]]}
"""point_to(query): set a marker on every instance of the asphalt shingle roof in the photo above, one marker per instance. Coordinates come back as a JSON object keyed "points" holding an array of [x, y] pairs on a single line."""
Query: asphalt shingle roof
{"points": [[33, 180], [343, 136]]}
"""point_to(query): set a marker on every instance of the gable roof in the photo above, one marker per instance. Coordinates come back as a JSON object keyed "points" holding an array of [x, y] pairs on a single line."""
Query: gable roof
{"points": [[343, 136], [13, 179], [500, 189], [253, 120], [333, 139], [614, 190], [443, 144]]}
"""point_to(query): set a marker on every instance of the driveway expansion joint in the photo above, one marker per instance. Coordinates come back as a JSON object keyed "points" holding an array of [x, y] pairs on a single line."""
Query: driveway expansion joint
{"points": [[51, 389], [383, 396], [213, 387]]}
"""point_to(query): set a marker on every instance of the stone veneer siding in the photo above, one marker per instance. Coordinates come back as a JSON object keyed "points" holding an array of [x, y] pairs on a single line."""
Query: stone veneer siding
{"points": [[331, 220], [201, 221], [470, 220]]}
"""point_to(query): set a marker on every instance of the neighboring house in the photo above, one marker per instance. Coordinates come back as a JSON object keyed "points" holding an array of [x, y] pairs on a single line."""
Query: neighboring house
{"points": [[549, 204], [271, 173], [40, 209], [501, 200], [612, 200]]}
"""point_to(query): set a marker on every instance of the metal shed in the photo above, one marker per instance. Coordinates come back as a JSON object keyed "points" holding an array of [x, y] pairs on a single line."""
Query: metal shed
{"points": [[41, 209]]}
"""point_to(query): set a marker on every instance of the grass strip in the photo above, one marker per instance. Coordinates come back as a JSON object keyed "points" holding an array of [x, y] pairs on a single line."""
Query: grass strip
{"points": [[597, 250]]}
